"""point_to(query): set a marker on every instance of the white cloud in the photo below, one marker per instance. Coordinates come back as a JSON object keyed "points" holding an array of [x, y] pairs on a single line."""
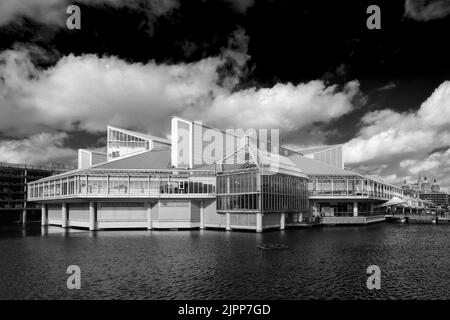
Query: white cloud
{"points": [[403, 141], [88, 92], [41, 148], [53, 12], [286, 106], [386, 132], [425, 10]]}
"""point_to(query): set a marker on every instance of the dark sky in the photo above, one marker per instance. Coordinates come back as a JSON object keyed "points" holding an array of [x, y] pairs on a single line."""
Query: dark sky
{"points": [[397, 68]]}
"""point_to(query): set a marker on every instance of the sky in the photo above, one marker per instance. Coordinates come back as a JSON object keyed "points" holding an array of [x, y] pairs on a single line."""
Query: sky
{"points": [[309, 68]]}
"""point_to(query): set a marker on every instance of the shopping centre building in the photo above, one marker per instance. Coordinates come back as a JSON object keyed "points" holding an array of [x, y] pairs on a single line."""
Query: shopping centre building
{"points": [[208, 178]]}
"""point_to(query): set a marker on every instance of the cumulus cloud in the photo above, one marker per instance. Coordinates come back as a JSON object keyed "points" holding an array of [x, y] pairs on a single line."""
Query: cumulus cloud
{"points": [[405, 140], [53, 12], [425, 10], [287, 106], [38, 149], [387, 132], [87, 92]]}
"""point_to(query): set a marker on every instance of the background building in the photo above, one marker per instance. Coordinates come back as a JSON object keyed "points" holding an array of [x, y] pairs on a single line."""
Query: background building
{"points": [[427, 190], [13, 189]]}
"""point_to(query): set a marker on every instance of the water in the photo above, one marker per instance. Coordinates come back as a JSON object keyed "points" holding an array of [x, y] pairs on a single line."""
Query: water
{"points": [[321, 263]]}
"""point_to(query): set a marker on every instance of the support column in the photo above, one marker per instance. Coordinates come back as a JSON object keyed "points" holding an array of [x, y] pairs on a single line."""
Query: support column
{"points": [[227, 221], [64, 216], [149, 216], [355, 209], [282, 221], [44, 215], [92, 215], [259, 222], [371, 208], [202, 215], [314, 208], [24, 216]]}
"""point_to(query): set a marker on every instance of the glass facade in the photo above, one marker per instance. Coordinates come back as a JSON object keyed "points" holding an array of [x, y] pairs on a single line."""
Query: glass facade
{"points": [[127, 185], [120, 143], [351, 186], [284, 193], [239, 192], [252, 191]]}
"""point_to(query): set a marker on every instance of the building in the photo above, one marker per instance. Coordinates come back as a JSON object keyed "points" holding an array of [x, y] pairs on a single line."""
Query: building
{"points": [[13, 189], [440, 199], [207, 178], [426, 190]]}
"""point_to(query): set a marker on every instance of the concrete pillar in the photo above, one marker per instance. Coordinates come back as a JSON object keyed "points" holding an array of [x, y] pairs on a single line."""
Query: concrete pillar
{"points": [[202, 215], [64, 216], [259, 223], [371, 208], [24, 216], [227, 221], [92, 215], [355, 209], [44, 215], [282, 221], [314, 208], [149, 216]]}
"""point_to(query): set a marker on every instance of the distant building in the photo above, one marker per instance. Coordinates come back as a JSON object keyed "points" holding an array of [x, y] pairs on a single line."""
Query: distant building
{"points": [[440, 199], [426, 190], [13, 189]]}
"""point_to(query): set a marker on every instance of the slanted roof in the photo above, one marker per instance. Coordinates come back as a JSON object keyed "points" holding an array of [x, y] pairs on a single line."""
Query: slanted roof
{"points": [[248, 157], [313, 167], [140, 135], [313, 150], [395, 201], [149, 159]]}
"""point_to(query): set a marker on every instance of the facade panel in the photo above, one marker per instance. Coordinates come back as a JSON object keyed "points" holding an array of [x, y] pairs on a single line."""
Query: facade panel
{"points": [[78, 211]]}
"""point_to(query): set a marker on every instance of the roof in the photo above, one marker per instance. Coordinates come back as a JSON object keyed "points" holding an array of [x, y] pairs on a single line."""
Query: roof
{"points": [[378, 179], [315, 167], [248, 157], [149, 159], [313, 150], [141, 135]]}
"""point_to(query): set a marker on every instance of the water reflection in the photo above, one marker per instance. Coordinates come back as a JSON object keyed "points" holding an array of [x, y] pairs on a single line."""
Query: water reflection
{"points": [[321, 263]]}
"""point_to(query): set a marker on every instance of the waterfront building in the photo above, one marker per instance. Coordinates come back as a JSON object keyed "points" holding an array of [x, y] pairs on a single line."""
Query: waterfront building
{"points": [[248, 183], [13, 189], [342, 196]]}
